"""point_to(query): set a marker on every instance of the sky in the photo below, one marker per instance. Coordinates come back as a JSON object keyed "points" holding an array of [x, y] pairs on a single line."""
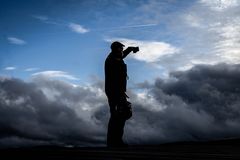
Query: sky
{"points": [[72, 38], [183, 81]]}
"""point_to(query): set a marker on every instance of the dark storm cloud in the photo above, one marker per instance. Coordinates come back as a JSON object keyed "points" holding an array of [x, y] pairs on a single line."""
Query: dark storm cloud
{"points": [[41, 113], [198, 104], [213, 89]]}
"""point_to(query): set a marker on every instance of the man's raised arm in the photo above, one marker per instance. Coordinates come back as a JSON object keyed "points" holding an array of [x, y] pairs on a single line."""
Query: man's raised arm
{"points": [[128, 50]]}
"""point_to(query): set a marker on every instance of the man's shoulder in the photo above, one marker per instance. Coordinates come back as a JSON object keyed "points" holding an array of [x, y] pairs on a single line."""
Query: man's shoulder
{"points": [[110, 59]]}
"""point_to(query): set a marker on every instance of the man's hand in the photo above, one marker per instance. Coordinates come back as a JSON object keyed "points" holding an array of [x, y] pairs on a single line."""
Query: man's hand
{"points": [[135, 49], [130, 49]]}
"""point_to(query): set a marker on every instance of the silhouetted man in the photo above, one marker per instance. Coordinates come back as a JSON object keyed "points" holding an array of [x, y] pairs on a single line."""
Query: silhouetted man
{"points": [[115, 88]]}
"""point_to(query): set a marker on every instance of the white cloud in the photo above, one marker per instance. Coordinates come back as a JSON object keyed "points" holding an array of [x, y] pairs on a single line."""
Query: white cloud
{"points": [[78, 28], [148, 99], [40, 17], [47, 20], [55, 74], [193, 20], [220, 5], [10, 68], [220, 33], [228, 44], [149, 51], [128, 26], [194, 62], [73, 26], [15, 40], [31, 69]]}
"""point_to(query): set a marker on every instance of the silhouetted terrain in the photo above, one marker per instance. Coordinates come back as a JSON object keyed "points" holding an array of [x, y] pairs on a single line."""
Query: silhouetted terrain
{"points": [[224, 149]]}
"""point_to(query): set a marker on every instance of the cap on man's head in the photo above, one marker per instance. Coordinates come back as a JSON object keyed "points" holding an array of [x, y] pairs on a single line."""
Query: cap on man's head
{"points": [[116, 44]]}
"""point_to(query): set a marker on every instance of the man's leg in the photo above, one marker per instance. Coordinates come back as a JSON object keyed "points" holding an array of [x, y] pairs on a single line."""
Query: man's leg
{"points": [[112, 126], [111, 135], [120, 130], [115, 127], [115, 131]]}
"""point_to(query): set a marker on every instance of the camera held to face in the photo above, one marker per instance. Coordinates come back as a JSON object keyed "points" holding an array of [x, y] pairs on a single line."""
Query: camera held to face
{"points": [[135, 49]]}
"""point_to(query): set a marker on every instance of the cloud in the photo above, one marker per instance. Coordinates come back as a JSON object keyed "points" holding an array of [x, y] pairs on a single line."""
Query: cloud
{"points": [[54, 74], [31, 69], [137, 26], [208, 37], [193, 21], [197, 104], [73, 26], [78, 28], [222, 42], [16, 41], [10, 68], [49, 112], [228, 46], [220, 5], [126, 27], [40, 17], [47, 20], [150, 51]]}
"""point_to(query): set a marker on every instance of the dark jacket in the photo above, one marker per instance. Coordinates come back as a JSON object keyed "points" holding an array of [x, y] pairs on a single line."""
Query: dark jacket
{"points": [[115, 77]]}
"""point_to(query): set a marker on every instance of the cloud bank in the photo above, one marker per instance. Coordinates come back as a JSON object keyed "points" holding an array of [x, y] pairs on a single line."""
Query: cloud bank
{"points": [[197, 104], [49, 112]]}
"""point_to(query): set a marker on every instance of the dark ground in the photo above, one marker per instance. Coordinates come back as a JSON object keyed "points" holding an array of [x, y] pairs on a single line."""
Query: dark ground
{"points": [[217, 150]]}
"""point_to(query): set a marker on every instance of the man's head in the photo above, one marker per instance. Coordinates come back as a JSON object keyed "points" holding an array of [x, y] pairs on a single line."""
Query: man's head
{"points": [[117, 48]]}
